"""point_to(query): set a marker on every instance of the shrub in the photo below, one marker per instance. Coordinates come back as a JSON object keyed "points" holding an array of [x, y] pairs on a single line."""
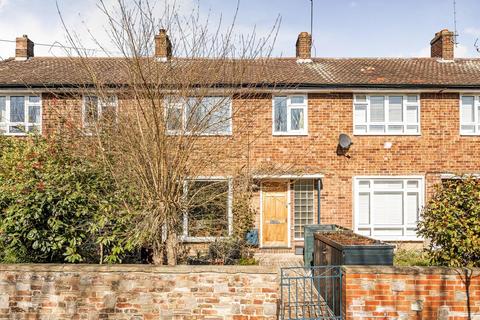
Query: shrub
{"points": [[410, 257], [56, 207], [451, 222]]}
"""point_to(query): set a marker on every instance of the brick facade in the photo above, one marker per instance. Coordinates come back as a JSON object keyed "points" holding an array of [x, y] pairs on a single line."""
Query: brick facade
{"points": [[438, 149], [137, 292], [410, 293]]}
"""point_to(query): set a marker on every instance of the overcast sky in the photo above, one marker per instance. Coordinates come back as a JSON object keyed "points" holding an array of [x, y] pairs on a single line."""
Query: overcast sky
{"points": [[342, 28]]}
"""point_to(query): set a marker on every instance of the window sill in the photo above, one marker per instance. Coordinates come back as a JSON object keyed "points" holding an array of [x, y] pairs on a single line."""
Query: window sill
{"points": [[389, 134], [470, 134], [280, 134], [201, 239]]}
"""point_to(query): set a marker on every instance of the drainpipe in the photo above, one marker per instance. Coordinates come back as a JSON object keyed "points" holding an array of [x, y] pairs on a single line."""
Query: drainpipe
{"points": [[319, 188]]}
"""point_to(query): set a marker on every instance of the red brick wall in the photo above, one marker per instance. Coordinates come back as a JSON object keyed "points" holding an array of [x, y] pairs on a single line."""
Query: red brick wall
{"points": [[137, 292], [439, 148], [392, 293]]}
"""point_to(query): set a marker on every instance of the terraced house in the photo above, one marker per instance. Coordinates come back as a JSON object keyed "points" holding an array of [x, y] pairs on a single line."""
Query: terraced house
{"points": [[405, 124]]}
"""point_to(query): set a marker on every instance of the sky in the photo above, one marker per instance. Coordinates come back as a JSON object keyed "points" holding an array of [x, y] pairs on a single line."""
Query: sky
{"points": [[342, 28]]}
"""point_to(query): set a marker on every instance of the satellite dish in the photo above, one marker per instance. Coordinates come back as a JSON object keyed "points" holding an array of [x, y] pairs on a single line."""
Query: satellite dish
{"points": [[344, 141]]}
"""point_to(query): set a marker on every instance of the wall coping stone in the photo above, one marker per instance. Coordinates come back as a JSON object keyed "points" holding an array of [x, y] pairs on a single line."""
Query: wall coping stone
{"points": [[416, 270], [144, 268]]}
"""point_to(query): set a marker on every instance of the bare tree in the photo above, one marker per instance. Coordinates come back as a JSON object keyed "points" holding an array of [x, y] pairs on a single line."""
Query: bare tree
{"points": [[161, 117]]}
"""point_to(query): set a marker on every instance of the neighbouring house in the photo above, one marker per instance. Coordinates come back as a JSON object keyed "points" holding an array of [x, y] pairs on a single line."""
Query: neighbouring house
{"points": [[412, 122]]}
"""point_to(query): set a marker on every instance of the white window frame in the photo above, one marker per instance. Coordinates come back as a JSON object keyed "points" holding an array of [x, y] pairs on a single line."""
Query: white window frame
{"points": [[6, 122], [387, 123], [421, 202], [185, 237], [476, 114], [100, 105], [304, 106], [184, 131]]}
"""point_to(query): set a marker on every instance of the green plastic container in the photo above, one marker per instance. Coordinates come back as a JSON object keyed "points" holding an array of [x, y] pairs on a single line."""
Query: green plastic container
{"points": [[309, 241]]}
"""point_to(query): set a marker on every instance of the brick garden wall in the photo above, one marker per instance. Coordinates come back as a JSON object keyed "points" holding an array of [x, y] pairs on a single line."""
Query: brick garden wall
{"points": [[392, 293], [137, 292]]}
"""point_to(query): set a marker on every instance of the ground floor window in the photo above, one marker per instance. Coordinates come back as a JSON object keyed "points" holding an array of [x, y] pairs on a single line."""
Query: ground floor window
{"points": [[209, 214], [388, 207], [303, 206]]}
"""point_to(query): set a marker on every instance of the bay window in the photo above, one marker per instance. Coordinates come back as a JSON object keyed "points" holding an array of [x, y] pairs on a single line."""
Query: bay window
{"points": [[394, 114], [469, 115], [199, 115], [20, 114], [290, 115], [388, 207]]}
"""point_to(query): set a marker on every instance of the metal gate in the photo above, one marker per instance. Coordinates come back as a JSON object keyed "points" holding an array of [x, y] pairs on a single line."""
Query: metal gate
{"points": [[309, 293]]}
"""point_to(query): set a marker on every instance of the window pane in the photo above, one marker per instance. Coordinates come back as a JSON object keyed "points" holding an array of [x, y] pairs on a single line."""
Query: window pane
{"points": [[174, 118], [412, 208], [412, 99], [395, 109], [280, 112], [467, 109], [388, 184], [297, 119], [34, 114], [412, 129], [208, 207], [377, 129], [17, 109], [34, 99], [361, 129], [218, 115], [395, 129], [364, 184], [195, 115], [17, 129], [91, 109], [303, 210], [412, 114], [3, 109], [387, 208], [364, 208], [360, 113], [297, 99], [468, 129], [377, 109], [361, 98]]}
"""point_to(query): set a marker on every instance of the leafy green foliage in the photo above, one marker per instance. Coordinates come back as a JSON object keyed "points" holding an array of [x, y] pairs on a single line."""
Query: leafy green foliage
{"points": [[56, 207], [451, 222], [411, 257]]}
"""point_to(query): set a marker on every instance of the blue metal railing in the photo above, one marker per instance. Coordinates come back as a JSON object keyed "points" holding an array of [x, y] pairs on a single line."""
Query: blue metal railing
{"points": [[308, 293]]}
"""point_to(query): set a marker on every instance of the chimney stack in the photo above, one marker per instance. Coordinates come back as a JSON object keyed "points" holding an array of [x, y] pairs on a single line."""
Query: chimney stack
{"points": [[163, 46], [24, 48], [304, 46], [442, 45]]}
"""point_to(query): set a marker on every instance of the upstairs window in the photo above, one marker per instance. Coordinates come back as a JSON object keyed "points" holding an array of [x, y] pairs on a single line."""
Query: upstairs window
{"points": [[96, 109], [290, 115], [386, 115], [470, 115], [202, 116], [20, 115]]}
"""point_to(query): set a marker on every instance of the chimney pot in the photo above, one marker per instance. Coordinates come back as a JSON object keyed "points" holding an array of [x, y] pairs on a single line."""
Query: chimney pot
{"points": [[163, 46], [24, 48], [304, 46], [442, 45]]}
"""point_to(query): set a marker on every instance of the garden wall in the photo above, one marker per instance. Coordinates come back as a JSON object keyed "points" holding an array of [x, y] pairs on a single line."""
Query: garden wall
{"points": [[137, 292], [398, 292]]}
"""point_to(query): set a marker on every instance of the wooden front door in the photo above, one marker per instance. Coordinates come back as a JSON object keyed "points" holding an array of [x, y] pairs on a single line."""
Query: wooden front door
{"points": [[275, 215]]}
